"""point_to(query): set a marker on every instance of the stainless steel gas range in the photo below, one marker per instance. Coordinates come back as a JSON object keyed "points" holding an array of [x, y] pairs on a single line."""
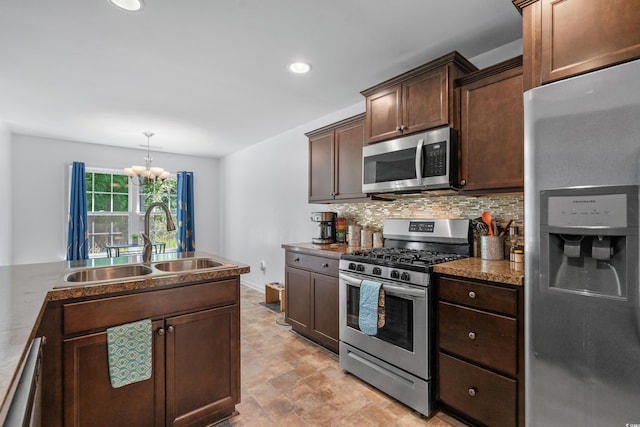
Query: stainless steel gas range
{"points": [[398, 359]]}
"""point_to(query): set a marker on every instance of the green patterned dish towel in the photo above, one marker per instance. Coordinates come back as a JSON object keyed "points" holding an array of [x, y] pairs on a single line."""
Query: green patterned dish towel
{"points": [[130, 357]]}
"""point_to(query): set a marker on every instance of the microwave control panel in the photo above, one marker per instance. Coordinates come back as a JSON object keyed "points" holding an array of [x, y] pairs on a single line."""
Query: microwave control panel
{"points": [[435, 159]]}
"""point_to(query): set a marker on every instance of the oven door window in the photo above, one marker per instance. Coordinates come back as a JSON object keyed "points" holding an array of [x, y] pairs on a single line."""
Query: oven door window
{"points": [[389, 167], [398, 327]]}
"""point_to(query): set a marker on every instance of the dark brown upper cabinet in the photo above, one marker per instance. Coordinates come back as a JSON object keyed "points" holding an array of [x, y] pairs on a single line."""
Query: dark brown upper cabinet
{"points": [[564, 38], [492, 129], [422, 98], [335, 161]]}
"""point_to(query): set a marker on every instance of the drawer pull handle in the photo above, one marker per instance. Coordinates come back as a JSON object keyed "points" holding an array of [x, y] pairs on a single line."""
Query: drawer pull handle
{"points": [[325, 265], [472, 295], [170, 329], [472, 391], [161, 331], [472, 335]]}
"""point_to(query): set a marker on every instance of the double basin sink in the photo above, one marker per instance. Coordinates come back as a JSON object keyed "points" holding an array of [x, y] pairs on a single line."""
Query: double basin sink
{"points": [[103, 274]]}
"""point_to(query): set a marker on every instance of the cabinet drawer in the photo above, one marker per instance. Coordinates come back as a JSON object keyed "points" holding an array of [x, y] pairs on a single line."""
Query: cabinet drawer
{"points": [[478, 295], [482, 337], [480, 394], [106, 312], [318, 264]]}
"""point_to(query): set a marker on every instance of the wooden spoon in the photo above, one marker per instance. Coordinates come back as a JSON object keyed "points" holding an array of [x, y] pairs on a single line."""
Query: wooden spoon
{"points": [[486, 218]]}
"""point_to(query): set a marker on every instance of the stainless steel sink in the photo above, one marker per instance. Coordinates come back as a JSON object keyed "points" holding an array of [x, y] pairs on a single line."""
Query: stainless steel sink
{"points": [[107, 273], [189, 264]]}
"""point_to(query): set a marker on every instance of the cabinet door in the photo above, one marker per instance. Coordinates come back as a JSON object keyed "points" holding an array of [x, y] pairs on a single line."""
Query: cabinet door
{"points": [[321, 185], [325, 310], [298, 295], [89, 399], [425, 103], [583, 35], [384, 114], [203, 366], [348, 172], [492, 133]]}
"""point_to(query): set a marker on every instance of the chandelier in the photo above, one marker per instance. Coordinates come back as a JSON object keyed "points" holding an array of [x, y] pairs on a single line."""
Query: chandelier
{"points": [[142, 175]]}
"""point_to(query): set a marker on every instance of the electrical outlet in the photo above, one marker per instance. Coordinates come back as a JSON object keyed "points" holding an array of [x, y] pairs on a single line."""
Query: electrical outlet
{"points": [[263, 265]]}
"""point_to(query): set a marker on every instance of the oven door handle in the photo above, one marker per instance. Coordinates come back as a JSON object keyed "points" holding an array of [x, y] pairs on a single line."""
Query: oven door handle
{"points": [[419, 293]]}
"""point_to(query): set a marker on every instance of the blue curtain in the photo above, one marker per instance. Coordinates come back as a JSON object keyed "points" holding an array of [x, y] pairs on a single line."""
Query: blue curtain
{"points": [[77, 242], [185, 236]]}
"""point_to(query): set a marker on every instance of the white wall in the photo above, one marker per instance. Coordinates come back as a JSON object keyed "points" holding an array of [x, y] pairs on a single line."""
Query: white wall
{"points": [[500, 54], [5, 195], [39, 196], [264, 192], [264, 203]]}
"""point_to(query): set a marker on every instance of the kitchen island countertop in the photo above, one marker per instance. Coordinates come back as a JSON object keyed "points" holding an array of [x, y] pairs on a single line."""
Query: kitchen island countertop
{"points": [[26, 289], [476, 268]]}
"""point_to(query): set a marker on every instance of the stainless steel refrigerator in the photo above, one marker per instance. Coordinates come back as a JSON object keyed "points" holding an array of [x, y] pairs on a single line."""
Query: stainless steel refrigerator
{"points": [[582, 166]]}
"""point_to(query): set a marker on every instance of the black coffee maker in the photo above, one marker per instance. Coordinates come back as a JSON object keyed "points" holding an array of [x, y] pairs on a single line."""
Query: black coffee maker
{"points": [[327, 223]]}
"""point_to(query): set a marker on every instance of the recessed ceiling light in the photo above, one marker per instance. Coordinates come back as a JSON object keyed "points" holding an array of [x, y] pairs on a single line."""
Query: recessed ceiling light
{"points": [[129, 5], [299, 67]]}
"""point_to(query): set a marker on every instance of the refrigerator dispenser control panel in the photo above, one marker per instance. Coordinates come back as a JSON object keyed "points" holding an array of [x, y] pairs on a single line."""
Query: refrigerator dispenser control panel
{"points": [[589, 210]]}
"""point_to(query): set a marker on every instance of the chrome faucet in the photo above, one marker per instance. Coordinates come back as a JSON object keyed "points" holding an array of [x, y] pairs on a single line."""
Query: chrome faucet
{"points": [[146, 252]]}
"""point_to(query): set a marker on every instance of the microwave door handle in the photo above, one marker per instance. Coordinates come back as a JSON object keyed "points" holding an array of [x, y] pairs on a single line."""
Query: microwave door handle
{"points": [[419, 159]]}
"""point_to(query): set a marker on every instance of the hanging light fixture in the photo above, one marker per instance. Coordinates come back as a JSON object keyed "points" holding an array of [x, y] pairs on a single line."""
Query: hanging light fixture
{"points": [[141, 175]]}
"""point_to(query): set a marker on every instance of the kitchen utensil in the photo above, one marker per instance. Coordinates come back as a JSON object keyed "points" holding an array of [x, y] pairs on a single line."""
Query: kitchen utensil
{"points": [[486, 217], [506, 227], [480, 227]]}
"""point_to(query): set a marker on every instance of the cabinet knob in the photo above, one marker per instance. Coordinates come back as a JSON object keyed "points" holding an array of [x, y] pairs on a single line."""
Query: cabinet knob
{"points": [[473, 391], [170, 329], [161, 331], [296, 259], [325, 265], [472, 295], [463, 182], [472, 335], [403, 127], [398, 129]]}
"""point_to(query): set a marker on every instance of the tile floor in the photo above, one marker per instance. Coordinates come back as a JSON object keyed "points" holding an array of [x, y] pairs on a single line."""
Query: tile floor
{"points": [[288, 381]]}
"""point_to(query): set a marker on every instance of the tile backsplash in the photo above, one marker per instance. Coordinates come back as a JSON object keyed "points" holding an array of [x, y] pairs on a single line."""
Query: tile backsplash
{"points": [[372, 214]]}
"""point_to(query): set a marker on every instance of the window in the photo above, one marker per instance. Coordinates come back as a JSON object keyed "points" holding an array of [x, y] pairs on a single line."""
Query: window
{"points": [[116, 210]]}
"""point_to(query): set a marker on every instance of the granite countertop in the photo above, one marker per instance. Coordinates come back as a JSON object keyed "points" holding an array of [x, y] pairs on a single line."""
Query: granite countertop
{"points": [[477, 268], [25, 290], [333, 250], [474, 268]]}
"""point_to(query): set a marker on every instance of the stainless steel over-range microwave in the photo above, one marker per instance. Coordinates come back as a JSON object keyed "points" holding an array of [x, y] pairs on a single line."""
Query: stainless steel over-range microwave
{"points": [[413, 163]]}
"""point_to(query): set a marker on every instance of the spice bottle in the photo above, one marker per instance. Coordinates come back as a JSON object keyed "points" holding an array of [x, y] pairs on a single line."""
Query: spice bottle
{"points": [[341, 230]]}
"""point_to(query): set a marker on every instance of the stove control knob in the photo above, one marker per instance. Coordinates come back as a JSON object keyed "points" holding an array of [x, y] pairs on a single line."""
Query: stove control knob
{"points": [[360, 267], [352, 266], [377, 271], [395, 274], [405, 276]]}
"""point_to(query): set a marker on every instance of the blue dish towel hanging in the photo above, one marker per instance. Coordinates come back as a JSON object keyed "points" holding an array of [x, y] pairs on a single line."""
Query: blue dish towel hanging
{"points": [[368, 316], [130, 356]]}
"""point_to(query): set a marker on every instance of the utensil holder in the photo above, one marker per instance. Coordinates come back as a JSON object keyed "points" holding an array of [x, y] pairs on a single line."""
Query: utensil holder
{"points": [[492, 247]]}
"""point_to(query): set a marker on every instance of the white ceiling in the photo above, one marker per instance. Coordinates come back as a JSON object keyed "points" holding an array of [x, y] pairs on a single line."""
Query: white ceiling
{"points": [[210, 77]]}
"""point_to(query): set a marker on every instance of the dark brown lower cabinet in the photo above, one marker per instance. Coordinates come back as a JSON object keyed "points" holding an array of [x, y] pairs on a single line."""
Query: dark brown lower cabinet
{"points": [[312, 298], [196, 358], [481, 351], [202, 369], [89, 397]]}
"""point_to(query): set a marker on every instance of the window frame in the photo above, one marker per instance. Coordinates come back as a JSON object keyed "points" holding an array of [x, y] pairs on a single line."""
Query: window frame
{"points": [[134, 213]]}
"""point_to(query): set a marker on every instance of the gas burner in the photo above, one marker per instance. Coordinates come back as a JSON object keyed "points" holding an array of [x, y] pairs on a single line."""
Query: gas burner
{"points": [[413, 259]]}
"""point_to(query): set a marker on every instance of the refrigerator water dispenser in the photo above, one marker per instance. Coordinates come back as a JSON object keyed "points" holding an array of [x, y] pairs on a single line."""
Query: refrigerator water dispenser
{"points": [[591, 239]]}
